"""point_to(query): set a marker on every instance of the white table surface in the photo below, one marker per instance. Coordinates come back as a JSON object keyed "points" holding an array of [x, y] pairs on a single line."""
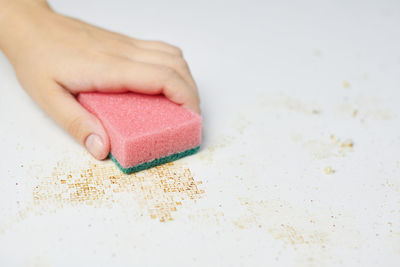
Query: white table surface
{"points": [[286, 88]]}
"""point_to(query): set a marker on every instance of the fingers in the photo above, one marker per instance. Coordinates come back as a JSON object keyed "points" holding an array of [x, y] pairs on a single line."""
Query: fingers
{"points": [[76, 120], [121, 75], [159, 46], [169, 58], [159, 58], [166, 56], [153, 79]]}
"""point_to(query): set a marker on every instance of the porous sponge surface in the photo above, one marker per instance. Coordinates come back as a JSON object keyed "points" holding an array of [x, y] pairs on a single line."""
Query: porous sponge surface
{"points": [[144, 128]]}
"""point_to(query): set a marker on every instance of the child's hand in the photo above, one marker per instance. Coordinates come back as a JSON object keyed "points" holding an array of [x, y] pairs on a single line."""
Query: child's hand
{"points": [[56, 57]]}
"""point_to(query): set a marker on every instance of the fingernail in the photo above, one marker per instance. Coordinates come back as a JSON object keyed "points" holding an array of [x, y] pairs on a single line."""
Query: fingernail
{"points": [[95, 145]]}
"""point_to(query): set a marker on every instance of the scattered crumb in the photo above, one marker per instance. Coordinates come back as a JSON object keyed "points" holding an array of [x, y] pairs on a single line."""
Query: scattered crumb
{"points": [[328, 170], [333, 138], [346, 84], [348, 143], [160, 190], [366, 107], [335, 147], [289, 103]]}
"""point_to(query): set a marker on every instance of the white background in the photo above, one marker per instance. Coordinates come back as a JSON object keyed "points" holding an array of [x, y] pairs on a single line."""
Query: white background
{"points": [[284, 85]]}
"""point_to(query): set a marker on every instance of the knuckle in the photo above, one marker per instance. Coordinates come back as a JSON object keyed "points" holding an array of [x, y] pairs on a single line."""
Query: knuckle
{"points": [[177, 51], [169, 73], [181, 64], [174, 49], [162, 43]]}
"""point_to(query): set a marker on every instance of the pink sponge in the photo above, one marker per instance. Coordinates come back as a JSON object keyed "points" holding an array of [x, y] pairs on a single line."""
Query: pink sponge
{"points": [[144, 130]]}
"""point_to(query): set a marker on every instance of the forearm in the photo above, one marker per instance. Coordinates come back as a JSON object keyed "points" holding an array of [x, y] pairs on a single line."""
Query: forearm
{"points": [[10, 8], [15, 18], [5, 4]]}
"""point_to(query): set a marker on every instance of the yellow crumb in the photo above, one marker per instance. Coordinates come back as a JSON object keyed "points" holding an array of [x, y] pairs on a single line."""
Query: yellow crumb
{"points": [[348, 143], [328, 170], [346, 84]]}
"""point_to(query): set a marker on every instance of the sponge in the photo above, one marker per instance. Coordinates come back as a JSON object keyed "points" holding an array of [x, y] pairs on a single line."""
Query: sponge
{"points": [[144, 130]]}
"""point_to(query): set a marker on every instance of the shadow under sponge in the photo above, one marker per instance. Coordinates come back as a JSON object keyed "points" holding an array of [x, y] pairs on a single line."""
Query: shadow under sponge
{"points": [[144, 130]]}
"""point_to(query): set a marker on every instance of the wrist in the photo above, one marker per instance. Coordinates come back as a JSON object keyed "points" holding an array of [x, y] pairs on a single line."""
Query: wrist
{"points": [[16, 17], [9, 8]]}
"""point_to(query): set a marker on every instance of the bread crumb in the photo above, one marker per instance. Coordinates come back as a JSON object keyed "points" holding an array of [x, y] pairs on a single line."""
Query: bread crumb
{"points": [[346, 84], [348, 143], [328, 170]]}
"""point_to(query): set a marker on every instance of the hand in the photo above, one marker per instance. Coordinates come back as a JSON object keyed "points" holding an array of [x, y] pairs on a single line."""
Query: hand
{"points": [[56, 57]]}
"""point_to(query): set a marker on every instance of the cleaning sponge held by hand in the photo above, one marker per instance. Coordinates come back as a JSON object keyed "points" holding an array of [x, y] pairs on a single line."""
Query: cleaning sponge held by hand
{"points": [[144, 130]]}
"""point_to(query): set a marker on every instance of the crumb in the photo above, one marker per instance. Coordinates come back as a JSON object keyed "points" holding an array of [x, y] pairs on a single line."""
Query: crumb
{"points": [[355, 112], [328, 170], [316, 111], [346, 84], [348, 143], [333, 138]]}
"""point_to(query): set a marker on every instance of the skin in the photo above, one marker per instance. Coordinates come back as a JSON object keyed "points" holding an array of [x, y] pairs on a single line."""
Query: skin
{"points": [[56, 57]]}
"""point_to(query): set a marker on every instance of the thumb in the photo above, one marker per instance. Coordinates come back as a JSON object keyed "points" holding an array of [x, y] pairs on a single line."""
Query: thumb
{"points": [[76, 120]]}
